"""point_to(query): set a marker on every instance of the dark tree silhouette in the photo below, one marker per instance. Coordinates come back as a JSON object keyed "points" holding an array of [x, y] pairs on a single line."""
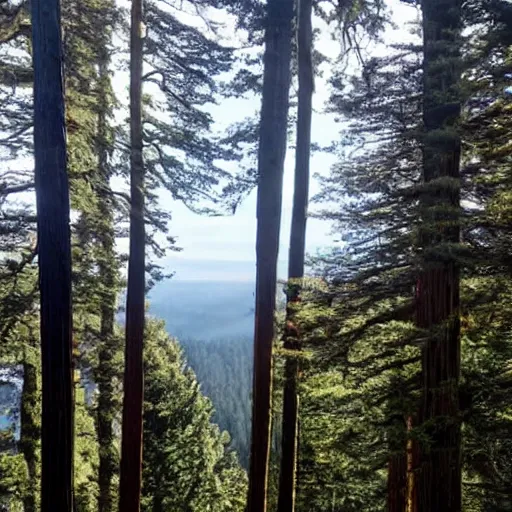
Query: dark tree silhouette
{"points": [[272, 150], [289, 440], [131, 447], [54, 257], [437, 295]]}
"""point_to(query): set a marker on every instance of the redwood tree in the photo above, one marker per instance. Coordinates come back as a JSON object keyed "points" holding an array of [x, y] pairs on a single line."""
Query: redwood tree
{"points": [[437, 296], [131, 446], [271, 154], [289, 439], [54, 258], [397, 483]]}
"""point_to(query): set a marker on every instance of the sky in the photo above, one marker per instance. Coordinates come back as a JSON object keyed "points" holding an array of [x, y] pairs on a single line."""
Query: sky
{"points": [[223, 248]]}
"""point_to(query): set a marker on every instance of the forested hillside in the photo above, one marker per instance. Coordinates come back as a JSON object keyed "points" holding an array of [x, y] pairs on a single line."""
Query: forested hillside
{"points": [[224, 369], [214, 322], [377, 377]]}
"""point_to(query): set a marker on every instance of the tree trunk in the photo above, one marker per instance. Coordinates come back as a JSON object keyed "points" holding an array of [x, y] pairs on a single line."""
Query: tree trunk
{"points": [[131, 447], [439, 476], [397, 461], [272, 150], [108, 277], [289, 439], [397, 483], [412, 458], [54, 257], [401, 482], [29, 431]]}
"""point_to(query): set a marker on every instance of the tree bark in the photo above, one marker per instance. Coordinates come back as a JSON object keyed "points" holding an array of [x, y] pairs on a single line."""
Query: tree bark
{"points": [[439, 475], [412, 458], [289, 439], [108, 463], [271, 155], [29, 431], [131, 447], [54, 258], [401, 464], [397, 483]]}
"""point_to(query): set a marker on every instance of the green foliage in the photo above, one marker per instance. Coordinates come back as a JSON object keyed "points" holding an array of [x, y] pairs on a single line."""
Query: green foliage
{"points": [[187, 465], [182, 156], [360, 359], [86, 456], [224, 369], [360, 374], [13, 480]]}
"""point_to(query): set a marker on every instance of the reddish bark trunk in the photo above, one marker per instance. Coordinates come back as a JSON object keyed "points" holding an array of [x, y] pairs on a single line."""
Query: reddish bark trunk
{"points": [[131, 446], [439, 480], [439, 472], [397, 483], [272, 150], [412, 461]]}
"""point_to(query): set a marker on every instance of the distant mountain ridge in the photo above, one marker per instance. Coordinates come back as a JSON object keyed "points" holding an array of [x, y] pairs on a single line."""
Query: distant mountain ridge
{"points": [[205, 310]]}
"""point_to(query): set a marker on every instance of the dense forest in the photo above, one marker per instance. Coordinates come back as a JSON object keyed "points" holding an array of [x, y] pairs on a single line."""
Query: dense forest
{"points": [[377, 376]]}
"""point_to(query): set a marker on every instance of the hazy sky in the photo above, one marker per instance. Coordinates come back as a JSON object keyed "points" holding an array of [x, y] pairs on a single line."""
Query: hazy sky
{"points": [[223, 248]]}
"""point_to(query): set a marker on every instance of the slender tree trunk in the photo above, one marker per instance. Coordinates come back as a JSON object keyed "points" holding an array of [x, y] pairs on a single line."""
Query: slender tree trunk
{"points": [[131, 447], [400, 491], [397, 461], [397, 483], [289, 439], [272, 150], [412, 457], [29, 430], [54, 257], [108, 277], [439, 477]]}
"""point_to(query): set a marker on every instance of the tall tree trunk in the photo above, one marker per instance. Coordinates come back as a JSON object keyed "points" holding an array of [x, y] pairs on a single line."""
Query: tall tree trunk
{"points": [[272, 150], [289, 439], [29, 428], [397, 459], [108, 277], [400, 484], [397, 483], [131, 447], [412, 457], [54, 257], [439, 477]]}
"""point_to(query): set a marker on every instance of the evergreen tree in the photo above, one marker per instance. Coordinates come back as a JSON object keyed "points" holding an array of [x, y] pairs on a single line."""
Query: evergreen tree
{"points": [[437, 290], [271, 154], [131, 447], [296, 256], [54, 257], [373, 422], [377, 271], [224, 369], [186, 462]]}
